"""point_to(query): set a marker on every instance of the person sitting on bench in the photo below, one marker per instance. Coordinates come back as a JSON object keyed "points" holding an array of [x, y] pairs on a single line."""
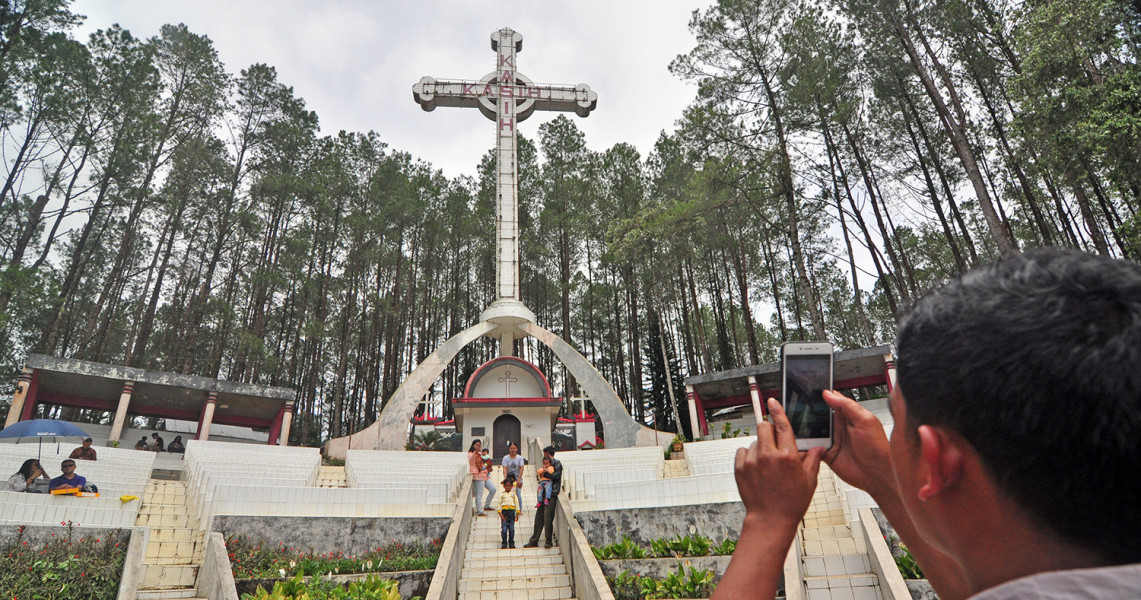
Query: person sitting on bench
{"points": [[69, 480]]}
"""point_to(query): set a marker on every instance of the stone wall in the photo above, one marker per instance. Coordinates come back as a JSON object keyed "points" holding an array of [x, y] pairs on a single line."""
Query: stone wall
{"points": [[350, 535], [714, 521]]}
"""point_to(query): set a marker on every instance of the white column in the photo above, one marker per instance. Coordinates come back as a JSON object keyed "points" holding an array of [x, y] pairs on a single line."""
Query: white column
{"points": [[507, 343], [207, 416], [22, 385], [506, 43], [691, 398], [889, 372], [286, 421], [121, 411]]}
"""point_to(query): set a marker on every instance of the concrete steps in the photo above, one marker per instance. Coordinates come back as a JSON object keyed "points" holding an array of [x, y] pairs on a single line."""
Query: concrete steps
{"points": [[175, 549], [167, 595], [331, 477], [835, 562], [676, 468], [493, 573]]}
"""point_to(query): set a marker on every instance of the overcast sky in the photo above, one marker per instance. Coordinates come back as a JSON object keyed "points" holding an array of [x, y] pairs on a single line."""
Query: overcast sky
{"points": [[355, 61]]}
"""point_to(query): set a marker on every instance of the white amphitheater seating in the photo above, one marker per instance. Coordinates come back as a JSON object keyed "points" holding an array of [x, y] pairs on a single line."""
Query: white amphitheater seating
{"points": [[116, 473], [714, 457], [17, 508], [326, 502], [213, 465], [584, 470], [243, 479], [701, 489], [440, 473]]}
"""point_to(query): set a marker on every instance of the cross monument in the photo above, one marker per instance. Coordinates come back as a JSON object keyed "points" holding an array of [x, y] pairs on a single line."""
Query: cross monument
{"points": [[507, 97]]}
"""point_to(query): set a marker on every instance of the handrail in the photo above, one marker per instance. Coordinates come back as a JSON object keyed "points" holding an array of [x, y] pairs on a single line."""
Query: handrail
{"points": [[446, 578]]}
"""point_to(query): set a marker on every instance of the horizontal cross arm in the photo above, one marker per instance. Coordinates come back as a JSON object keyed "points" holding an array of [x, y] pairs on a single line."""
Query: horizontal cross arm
{"points": [[430, 93]]}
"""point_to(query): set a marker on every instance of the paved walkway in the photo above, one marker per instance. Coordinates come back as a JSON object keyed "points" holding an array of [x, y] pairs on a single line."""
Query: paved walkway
{"points": [[176, 546], [492, 573], [836, 563]]}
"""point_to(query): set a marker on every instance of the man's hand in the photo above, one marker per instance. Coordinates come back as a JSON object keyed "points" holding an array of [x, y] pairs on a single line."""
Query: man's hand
{"points": [[776, 483], [775, 480], [859, 453]]}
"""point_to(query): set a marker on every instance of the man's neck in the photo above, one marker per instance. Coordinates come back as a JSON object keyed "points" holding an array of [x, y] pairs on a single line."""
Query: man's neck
{"points": [[1005, 545]]}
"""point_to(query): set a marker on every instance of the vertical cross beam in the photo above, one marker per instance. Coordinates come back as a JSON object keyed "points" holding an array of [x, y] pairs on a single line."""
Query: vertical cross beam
{"points": [[507, 97], [506, 43]]}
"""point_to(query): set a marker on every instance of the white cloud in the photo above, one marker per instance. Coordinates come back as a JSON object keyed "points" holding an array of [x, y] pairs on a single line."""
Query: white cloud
{"points": [[354, 61]]}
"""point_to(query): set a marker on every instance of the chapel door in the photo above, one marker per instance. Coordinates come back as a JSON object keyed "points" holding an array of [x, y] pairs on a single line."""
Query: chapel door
{"points": [[505, 430]]}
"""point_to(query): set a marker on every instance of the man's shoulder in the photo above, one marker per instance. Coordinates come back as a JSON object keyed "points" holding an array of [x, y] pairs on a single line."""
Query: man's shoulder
{"points": [[1122, 581]]}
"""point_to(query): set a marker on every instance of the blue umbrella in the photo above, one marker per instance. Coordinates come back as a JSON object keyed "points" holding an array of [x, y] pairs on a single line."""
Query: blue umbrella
{"points": [[41, 428]]}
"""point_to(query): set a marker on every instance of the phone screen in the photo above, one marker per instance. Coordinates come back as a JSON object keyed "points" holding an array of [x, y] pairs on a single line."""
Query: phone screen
{"points": [[806, 378]]}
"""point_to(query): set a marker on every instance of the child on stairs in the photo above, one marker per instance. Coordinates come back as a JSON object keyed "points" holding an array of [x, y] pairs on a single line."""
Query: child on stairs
{"points": [[508, 513]]}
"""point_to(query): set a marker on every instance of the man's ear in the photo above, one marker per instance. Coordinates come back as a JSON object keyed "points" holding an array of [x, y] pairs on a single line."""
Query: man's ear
{"points": [[943, 457]]}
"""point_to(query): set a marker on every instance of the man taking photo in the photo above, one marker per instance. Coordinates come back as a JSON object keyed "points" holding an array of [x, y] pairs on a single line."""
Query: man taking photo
{"points": [[1013, 462]]}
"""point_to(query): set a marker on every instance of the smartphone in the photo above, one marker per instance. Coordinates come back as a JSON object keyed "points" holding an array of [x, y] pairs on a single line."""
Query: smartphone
{"points": [[805, 372]]}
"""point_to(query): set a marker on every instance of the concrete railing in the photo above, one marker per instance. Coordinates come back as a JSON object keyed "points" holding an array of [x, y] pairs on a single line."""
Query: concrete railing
{"points": [[216, 575], [446, 578], [794, 572], [133, 564], [892, 585], [587, 578]]}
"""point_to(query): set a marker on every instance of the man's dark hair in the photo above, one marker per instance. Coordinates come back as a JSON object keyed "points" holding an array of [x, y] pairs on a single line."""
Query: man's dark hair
{"points": [[549, 450], [1036, 362], [66, 462], [87, 439]]}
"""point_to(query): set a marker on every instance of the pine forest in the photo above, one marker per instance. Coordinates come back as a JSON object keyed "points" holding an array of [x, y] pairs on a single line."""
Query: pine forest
{"points": [[166, 211]]}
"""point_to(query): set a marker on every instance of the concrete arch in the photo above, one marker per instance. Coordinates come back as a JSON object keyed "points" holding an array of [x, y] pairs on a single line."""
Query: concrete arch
{"points": [[389, 430], [621, 430]]}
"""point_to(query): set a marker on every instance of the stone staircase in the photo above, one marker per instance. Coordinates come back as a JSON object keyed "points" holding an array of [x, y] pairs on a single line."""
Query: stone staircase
{"points": [[332, 477], [492, 573], [676, 468], [835, 562], [176, 548]]}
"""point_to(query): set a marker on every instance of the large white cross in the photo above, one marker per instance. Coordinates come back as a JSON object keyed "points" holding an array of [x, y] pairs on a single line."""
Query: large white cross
{"points": [[506, 97]]}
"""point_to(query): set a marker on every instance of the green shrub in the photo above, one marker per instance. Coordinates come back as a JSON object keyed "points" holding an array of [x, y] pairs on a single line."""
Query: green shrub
{"points": [[907, 565], [690, 545], [678, 584], [249, 560], [68, 566], [373, 587], [725, 548], [624, 549]]}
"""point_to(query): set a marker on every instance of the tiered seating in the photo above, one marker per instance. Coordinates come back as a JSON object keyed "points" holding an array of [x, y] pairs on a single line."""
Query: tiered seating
{"points": [[17, 508], [244, 479], [439, 474], [258, 471], [326, 502], [116, 473], [700, 489], [633, 477], [585, 471], [714, 457]]}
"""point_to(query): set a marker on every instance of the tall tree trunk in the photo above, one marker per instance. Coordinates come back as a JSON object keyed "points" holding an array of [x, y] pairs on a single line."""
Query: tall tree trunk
{"points": [[788, 192], [954, 127]]}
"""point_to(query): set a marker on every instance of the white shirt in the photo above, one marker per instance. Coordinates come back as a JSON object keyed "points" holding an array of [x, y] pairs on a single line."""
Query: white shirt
{"points": [[1078, 584]]}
